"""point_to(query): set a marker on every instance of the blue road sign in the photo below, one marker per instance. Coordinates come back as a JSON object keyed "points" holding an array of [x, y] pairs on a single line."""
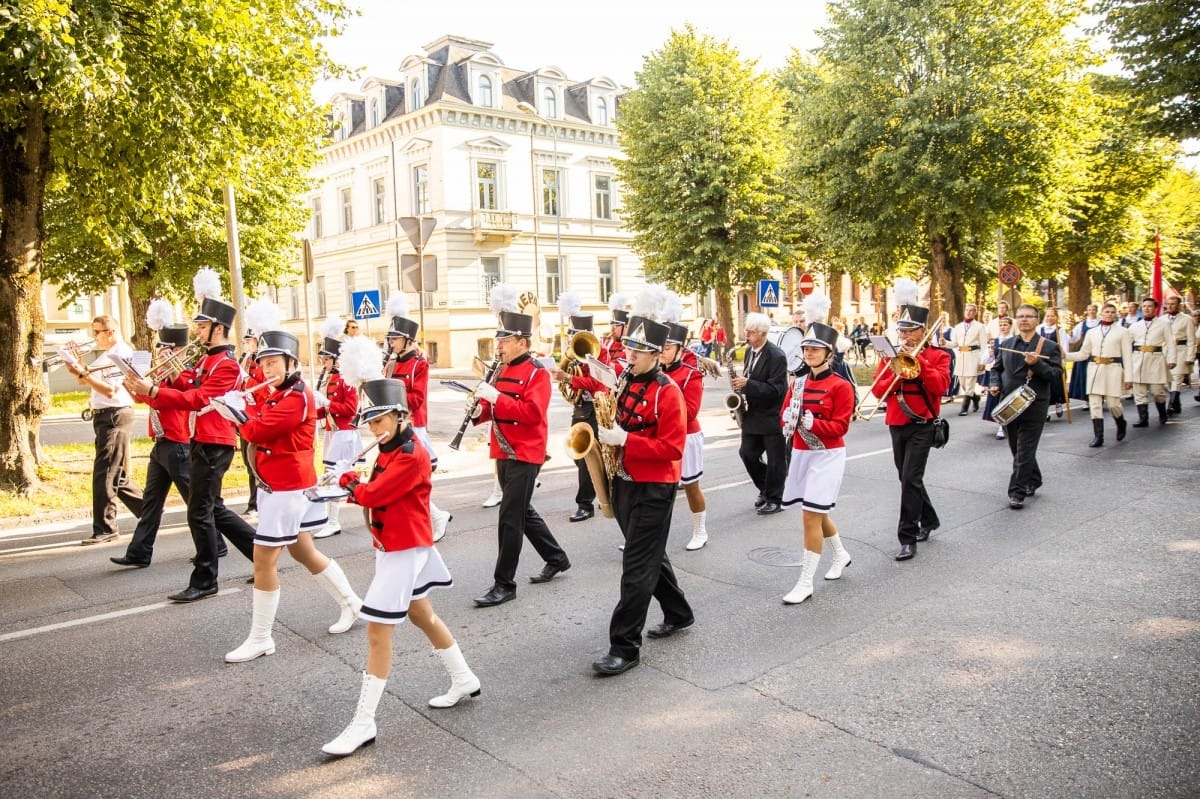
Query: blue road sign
{"points": [[366, 304], [768, 293]]}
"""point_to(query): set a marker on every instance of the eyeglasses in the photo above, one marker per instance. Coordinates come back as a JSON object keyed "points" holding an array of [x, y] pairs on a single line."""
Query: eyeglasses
{"points": [[1026, 316], [101, 330]]}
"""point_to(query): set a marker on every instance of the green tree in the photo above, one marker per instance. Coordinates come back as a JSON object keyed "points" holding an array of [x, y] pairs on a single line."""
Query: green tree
{"points": [[934, 124], [703, 151], [1158, 41], [119, 125]]}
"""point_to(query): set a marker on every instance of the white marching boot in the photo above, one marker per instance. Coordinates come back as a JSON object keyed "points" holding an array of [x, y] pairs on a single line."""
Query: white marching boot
{"points": [[440, 519], [333, 526], [362, 729], [497, 494], [841, 558], [699, 533], [259, 642], [463, 681], [333, 579], [804, 586]]}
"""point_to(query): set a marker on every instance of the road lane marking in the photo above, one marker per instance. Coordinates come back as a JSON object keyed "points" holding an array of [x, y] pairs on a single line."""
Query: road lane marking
{"points": [[116, 614], [739, 483]]}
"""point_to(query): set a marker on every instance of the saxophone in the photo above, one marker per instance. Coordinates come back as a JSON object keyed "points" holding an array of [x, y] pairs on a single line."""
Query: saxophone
{"points": [[602, 460], [735, 403]]}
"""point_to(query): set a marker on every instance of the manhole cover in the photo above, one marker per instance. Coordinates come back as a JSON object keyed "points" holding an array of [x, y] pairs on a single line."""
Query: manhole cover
{"points": [[774, 556]]}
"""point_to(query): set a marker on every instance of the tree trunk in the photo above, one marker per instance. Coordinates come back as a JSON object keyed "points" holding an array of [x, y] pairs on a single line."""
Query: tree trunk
{"points": [[24, 169], [141, 291], [946, 290], [1079, 287], [836, 281], [725, 314]]}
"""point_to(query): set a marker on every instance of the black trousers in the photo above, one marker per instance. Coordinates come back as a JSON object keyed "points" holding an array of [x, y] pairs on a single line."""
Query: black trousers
{"points": [[252, 503], [768, 478], [208, 518], [910, 451], [518, 521], [1023, 435], [113, 428], [168, 466], [585, 497], [643, 511]]}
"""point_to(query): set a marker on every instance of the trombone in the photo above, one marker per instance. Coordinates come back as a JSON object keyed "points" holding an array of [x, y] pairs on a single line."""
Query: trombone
{"points": [[71, 352], [170, 363], [904, 365]]}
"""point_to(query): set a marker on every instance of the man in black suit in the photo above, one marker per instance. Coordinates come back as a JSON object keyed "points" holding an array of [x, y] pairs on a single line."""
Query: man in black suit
{"points": [[763, 383], [1037, 363]]}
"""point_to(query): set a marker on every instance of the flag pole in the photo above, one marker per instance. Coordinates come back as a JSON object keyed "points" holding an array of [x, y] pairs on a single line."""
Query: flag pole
{"points": [[1156, 290]]}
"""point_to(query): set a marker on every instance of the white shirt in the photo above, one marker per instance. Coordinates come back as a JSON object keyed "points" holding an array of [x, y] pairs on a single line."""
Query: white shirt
{"points": [[121, 399]]}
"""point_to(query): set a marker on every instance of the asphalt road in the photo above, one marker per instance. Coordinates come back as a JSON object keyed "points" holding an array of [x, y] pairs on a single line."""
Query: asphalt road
{"points": [[1051, 651]]}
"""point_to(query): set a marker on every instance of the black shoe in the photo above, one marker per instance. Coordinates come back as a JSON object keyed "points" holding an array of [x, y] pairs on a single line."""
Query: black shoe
{"points": [[610, 665], [220, 554], [496, 595], [966, 408], [125, 560], [190, 594], [1016, 503], [1121, 424], [1030, 490], [923, 535], [667, 629], [758, 503], [581, 514], [907, 552], [548, 572], [100, 538], [769, 508]]}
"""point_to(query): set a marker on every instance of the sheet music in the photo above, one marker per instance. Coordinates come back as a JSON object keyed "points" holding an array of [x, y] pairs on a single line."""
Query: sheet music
{"points": [[884, 347]]}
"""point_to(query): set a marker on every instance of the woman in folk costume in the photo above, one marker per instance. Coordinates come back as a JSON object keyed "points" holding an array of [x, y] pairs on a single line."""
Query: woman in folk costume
{"points": [[281, 430], [1077, 385], [1050, 331], [412, 368], [1107, 353], [337, 404], [816, 416], [407, 564], [1004, 330]]}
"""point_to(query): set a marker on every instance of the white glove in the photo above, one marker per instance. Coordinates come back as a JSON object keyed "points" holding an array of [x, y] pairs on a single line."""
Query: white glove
{"points": [[807, 420], [342, 466], [486, 391], [322, 400], [789, 416], [235, 415], [233, 399], [613, 436]]}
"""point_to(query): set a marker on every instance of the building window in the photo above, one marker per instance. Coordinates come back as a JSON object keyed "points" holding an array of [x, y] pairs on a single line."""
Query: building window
{"points": [[293, 302], [322, 303], [553, 279], [549, 104], [485, 186], [382, 274], [601, 111], [606, 269], [349, 288], [374, 115], [550, 192], [414, 95], [491, 275], [485, 91], [420, 190], [379, 195], [316, 218], [347, 210], [603, 195]]}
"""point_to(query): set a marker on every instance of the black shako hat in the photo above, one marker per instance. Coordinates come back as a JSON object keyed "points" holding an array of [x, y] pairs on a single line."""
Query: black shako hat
{"points": [[173, 336], [912, 317], [217, 312], [379, 397], [620, 317], [676, 333], [515, 324], [331, 348], [278, 342], [581, 322], [645, 335], [821, 335], [403, 326]]}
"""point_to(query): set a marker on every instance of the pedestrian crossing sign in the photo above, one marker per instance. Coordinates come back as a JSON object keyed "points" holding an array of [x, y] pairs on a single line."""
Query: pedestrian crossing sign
{"points": [[366, 304], [768, 293]]}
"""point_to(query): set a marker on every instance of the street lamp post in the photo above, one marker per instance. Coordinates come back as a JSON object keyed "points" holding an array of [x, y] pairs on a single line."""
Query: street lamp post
{"points": [[529, 109]]}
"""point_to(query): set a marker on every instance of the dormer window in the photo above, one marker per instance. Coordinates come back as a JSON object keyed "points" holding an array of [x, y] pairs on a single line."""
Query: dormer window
{"points": [[485, 98], [374, 114], [601, 111], [414, 93], [549, 104]]}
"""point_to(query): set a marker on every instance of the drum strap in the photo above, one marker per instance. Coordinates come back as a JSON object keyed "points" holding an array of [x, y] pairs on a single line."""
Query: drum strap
{"points": [[1038, 351]]}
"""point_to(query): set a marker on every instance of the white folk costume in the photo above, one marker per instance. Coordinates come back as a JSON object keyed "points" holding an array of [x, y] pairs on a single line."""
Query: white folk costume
{"points": [[1106, 360], [969, 342], [1153, 348], [1184, 333], [1077, 387]]}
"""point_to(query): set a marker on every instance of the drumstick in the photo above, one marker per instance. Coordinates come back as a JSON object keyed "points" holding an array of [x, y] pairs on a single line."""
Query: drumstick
{"points": [[1023, 352]]}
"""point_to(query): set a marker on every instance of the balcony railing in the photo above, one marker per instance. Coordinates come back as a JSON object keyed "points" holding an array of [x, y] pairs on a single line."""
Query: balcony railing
{"points": [[487, 224]]}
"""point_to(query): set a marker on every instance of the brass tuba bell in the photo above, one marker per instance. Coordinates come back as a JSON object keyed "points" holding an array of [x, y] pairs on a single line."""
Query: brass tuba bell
{"points": [[582, 344]]}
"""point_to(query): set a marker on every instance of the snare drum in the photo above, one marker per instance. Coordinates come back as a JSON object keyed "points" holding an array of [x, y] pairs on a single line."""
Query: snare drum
{"points": [[1012, 406]]}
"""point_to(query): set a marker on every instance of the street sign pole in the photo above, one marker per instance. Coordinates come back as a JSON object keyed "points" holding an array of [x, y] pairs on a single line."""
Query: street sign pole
{"points": [[418, 230], [309, 271]]}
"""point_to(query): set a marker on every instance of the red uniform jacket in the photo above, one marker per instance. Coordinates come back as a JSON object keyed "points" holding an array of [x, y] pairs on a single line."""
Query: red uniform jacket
{"points": [[216, 373], [398, 494], [830, 397], [343, 403], [282, 427], [174, 423], [612, 353], [922, 394], [413, 370], [520, 412], [691, 382], [652, 411]]}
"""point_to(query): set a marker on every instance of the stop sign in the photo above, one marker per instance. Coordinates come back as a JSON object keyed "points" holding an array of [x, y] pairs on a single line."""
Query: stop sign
{"points": [[806, 284]]}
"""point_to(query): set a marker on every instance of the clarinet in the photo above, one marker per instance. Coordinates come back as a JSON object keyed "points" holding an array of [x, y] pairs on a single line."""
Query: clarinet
{"points": [[492, 372], [322, 377]]}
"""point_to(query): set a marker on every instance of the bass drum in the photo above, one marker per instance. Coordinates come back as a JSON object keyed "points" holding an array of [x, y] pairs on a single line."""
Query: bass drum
{"points": [[789, 342], [1015, 404]]}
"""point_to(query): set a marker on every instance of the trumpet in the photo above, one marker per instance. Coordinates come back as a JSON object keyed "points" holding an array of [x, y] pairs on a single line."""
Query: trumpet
{"points": [[71, 352], [904, 365], [244, 394], [581, 345], [170, 363]]}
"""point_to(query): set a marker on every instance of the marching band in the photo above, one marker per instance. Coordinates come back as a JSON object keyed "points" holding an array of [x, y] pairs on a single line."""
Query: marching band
{"points": [[636, 397]]}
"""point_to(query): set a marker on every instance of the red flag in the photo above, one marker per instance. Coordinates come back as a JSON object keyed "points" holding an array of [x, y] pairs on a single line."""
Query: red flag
{"points": [[1156, 281]]}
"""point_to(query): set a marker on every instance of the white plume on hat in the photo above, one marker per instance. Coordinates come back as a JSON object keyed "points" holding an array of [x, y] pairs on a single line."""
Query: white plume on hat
{"points": [[672, 309], [206, 283], [649, 301], [360, 360], [160, 314], [505, 298], [816, 307], [332, 327], [905, 290], [569, 304], [397, 304], [618, 301], [261, 315]]}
